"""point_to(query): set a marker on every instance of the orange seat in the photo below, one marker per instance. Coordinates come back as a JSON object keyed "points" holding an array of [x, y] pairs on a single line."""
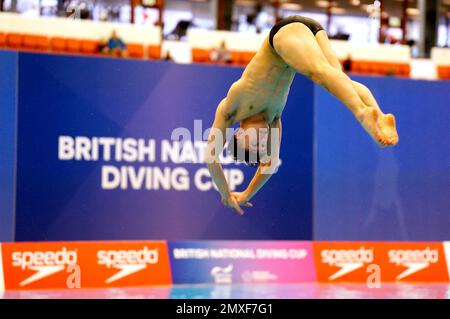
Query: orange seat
{"points": [[14, 40], [241, 57], [43, 43], [237, 57], [247, 57], [361, 67], [154, 52], [58, 44], [443, 71], [135, 50], [389, 69], [406, 70], [355, 67], [2, 39], [73, 45], [88, 46], [200, 55], [395, 68], [364, 67], [35, 42], [381, 68], [29, 41], [400, 69]]}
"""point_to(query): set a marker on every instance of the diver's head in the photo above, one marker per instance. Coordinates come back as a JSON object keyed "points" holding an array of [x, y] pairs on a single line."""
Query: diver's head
{"points": [[249, 143]]}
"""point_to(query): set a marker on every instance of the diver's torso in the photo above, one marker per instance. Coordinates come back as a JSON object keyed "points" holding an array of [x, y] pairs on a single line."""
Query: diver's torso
{"points": [[264, 86]]}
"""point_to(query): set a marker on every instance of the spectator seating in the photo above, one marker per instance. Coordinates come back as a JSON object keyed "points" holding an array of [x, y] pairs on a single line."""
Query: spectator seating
{"points": [[35, 42], [380, 59], [380, 68], [19, 41], [61, 35]]}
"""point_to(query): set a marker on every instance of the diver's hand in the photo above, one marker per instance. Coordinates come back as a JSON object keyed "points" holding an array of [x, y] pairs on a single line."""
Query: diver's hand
{"points": [[232, 202], [242, 198]]}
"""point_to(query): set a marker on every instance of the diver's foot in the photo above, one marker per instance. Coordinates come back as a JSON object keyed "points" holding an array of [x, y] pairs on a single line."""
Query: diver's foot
{"points": [[369, 121], [386, 123]]}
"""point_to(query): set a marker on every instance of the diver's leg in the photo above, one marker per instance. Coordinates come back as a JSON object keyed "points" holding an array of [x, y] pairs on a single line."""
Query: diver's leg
{"points": [[298, 47], [386, 122]]}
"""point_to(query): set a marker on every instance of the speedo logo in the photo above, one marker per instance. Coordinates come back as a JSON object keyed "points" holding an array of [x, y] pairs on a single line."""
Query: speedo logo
{"points": [[45, 263], [414, 259], [348, 260], [127, 261]]}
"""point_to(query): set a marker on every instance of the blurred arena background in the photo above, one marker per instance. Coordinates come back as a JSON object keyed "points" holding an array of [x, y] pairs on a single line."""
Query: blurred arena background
{"points": [[96, 192]]}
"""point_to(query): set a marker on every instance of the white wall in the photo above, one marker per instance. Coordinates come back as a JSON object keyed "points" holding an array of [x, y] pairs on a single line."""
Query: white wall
{"points": [[440, 56], [236, 41]]}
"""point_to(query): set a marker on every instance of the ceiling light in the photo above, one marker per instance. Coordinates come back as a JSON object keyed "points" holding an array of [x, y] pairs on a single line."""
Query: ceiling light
{"points": [[322, 3], [245, 3], [413, 11], [291, 6], [337, 10]]}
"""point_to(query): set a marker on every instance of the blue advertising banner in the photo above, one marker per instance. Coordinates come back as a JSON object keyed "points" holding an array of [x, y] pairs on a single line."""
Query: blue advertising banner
{"points": [[363, 192], [96, 160], [87, 154], [8, 121]]}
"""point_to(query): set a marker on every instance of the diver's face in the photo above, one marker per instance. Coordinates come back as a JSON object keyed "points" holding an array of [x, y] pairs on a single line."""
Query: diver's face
{"points": [[251, 141], [253, 135]]}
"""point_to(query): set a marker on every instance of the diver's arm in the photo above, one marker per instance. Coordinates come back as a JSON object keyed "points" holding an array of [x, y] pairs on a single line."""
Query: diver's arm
{"points": [[216, 142]]}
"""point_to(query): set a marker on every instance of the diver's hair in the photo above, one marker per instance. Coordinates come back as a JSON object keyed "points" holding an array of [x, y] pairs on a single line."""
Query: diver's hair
{"points": [[233, 150]]}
